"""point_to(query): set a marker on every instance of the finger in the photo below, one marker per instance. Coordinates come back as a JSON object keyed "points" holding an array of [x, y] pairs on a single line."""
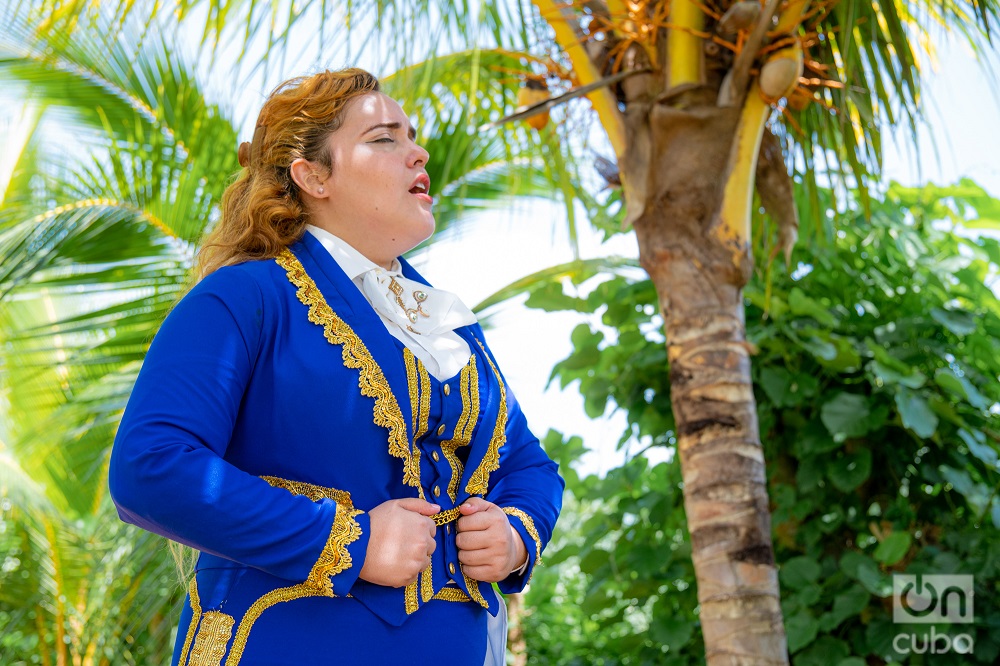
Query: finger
{"points": [[474, 505], [476, 522], [473, 541], [481, 573], [475, 558], [419, 506]]}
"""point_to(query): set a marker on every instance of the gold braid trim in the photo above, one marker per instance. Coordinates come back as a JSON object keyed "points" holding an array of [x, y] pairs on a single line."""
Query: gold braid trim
{"points": [[253, 613], [420, 406], [469, 390], [473, 586], [426, 584], [335, 557], [313, 492], [451, 594], [213, 635], [371, 380], [195, 618], [479, 482], [529, 525], [410, 598]]}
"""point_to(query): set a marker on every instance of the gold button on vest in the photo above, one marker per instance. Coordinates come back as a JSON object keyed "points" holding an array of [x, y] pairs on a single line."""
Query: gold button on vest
{"points": [[447, 389], [437, 491], [451, 568], [441, 429]]}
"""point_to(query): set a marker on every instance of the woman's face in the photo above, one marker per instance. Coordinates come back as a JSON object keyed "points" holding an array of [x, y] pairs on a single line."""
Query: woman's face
{"points": [[377, 196]]}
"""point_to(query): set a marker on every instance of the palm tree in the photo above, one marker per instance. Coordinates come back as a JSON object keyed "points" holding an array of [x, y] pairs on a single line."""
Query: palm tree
{"points": [[703, 103], [116, 169]]}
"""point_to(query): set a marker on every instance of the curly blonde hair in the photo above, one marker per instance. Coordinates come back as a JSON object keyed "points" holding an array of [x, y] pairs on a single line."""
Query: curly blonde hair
{"points": [[262, 210]]}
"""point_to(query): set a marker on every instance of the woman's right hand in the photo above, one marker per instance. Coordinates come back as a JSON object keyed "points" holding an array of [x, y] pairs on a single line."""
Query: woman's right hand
{"points": [[401, 541]]}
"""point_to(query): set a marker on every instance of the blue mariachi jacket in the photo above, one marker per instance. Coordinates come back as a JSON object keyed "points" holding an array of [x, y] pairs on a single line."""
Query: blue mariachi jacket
{"points": [[272, 410]]}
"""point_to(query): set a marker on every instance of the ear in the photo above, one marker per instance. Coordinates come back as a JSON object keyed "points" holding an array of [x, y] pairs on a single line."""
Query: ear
{"points": [[309, 179]]}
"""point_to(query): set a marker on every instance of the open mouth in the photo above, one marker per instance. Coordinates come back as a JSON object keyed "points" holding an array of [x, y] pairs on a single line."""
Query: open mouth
{"points": [[422, 185]]}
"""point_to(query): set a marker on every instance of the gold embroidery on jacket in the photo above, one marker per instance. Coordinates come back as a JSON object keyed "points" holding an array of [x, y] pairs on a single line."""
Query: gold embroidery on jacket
{"points": [[313, 492], [333, 560], [410, 598], [210, 642], [253, 613], [195, 618], [473, 586], [335, 557], [355, 354], [479, 482], [469, 390], [419, 384], [451, 594], [426, 584], [529, 525]]}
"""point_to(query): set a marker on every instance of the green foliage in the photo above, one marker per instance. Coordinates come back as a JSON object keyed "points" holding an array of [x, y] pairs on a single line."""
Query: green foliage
{"points": [[121, 173], [876, 374]]}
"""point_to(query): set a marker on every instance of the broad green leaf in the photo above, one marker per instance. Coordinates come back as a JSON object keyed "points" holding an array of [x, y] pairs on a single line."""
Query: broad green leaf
{"points": [[979, 447], [887, 375], [958, 322], [864, 570], [847, 604], [670, 631], [850, 470], [799, 572], [846, 415], [961, 387], [893, 548], [824, 651], [916, 413], [801, 304], [977, 494], [822, 349], [852, 661], [801, 630]]}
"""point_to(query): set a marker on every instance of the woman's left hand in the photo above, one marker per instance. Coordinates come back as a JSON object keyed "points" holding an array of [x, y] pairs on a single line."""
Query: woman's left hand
{"points": [[489, 548]]}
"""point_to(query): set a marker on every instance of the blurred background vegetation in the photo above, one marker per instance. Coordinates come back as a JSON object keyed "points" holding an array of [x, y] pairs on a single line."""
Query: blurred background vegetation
{"points": [[876, 366]]}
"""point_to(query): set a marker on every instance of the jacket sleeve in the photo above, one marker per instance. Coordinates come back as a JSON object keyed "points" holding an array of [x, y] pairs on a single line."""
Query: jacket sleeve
{"points": [[168, 473], [528, 488]]}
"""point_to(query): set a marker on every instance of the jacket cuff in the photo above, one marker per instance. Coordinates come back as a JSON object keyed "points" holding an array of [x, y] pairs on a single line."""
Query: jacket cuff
{"points": [[525, 526], [343, 555]]}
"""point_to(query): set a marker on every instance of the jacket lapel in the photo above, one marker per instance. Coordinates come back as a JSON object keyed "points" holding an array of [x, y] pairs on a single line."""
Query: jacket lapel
{"points": [[347, 301]]}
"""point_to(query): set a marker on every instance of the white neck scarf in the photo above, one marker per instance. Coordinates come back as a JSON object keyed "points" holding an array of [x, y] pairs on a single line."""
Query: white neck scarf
{"points": [[413, 306], [431, 338]]}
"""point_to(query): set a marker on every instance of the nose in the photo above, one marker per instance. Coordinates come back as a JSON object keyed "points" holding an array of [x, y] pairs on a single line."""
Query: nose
{"points": [[419, 156]]}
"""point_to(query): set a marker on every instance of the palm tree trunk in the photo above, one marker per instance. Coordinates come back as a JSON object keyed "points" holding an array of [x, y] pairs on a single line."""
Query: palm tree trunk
{"points": [[681, 164]]}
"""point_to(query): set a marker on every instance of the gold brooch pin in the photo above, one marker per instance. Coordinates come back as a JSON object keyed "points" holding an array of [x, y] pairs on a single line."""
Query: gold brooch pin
{"points": [[411, 313]]}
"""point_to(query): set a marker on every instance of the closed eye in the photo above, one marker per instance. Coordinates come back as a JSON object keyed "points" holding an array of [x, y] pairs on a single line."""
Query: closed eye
{"points": [[384, 139]]}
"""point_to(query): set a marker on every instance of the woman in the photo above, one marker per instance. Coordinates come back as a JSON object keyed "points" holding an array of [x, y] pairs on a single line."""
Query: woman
{"points": [[329, 431]]}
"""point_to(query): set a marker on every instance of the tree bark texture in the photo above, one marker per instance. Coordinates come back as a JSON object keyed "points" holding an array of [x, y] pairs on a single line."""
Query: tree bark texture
{"points": [[678, 160]]}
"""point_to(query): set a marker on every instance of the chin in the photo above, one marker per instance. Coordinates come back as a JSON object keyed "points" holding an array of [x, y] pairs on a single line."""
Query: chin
{"points": [[428, 229]]}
